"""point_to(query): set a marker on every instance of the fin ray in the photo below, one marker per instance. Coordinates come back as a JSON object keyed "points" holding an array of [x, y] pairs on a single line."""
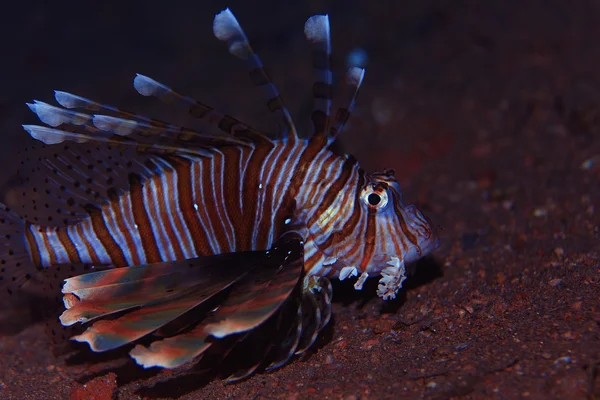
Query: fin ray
{"points": [[226, 28], [122, 123], [354, 78], [163, 296], [287, 347], [250, 303], [231, 126], [317, 32]]}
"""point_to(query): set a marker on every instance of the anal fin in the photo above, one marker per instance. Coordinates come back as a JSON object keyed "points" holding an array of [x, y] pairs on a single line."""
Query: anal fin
{"points": [[243, 290], [252, 301], [157, 293], [316, 307], [290, 332]]}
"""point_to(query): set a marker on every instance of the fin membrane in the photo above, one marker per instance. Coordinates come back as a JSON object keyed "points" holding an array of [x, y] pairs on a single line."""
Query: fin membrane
{"points": [[291, 332], [354, 78], [316, 301], [54, 184], [226, 28], [243, 289], [317, 32], [156, 294]]}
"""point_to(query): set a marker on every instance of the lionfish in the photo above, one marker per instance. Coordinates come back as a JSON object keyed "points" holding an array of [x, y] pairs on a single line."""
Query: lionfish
{"points": [[197, 239]]}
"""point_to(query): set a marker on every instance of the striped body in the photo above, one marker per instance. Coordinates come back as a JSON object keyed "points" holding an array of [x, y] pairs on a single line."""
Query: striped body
{"points": [[238, 199]]}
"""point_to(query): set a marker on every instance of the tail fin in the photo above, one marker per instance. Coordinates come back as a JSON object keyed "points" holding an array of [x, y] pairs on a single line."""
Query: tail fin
{"points": [[16, 267]]}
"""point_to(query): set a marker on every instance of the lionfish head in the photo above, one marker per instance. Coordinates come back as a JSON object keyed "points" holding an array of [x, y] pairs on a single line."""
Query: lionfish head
{"points": [[392, 234], [400, 230]]}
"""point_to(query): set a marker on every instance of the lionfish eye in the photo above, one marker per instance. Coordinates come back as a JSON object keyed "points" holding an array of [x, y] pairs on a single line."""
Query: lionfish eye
{"points": [[375, 198]]}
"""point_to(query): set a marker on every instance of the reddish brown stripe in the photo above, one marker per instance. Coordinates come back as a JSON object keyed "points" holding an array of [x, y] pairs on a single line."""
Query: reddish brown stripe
{"points": [[119, 205], [34, 250], [69, 246], [351, 224], [312, 261], [165, 222], [211, 174], [90, 249], [231, 184], [277, 165], [181, 243], [280, 169], [49, 248], [152, 201], [265, 227], [140, 216], [250, 194], [369, 239], [313, 189], [334, 190], [190, 216], [102, 233], [315, 144]]}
